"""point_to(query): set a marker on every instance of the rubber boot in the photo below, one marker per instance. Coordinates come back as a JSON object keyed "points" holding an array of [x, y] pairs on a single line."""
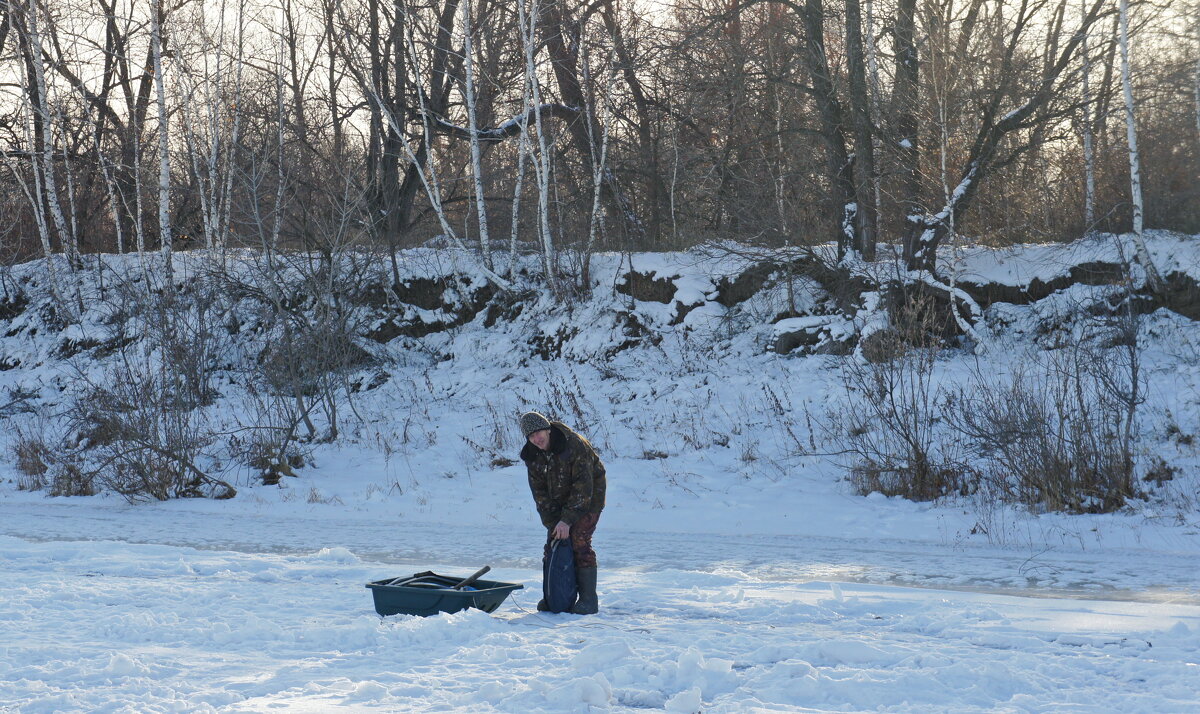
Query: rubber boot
{"points": [[588, 603], [542, 606]]}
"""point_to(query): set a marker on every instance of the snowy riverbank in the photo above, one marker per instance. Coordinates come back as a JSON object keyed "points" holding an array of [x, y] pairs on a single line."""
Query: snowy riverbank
{"points": [[738, 569]]}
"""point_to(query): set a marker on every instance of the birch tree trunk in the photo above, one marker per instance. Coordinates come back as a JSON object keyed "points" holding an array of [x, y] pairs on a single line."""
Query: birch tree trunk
{"points": [[139, 228], [45, 150], [560, 36], [211, 101], [519, 184], [33, 195], [422, 168], [524, 150], [599, 167], [1089, 145], [44, 128], [280, 159], [111, 194], [528, 22], [476, 161], [204, 119], [72, 210], [164, 146], [1135, 169], [779, 166]]}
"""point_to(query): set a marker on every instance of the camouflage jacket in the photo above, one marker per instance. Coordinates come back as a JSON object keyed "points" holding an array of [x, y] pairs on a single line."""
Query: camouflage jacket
{"points": [[567, 480]]}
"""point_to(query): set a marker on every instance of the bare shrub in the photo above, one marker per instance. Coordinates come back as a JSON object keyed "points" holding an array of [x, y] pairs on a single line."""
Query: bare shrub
{"points": [[140, 424], [1159, 471], [184, 327], [794, 437], [313, 352], [270, 448], [32, 456], [46, 462], [1057, 433], [497, 443], [892, 425], [566, 400], [68, 477], [269, 438], [310, 328], [315, 496], [145, 435], [311, 366]]}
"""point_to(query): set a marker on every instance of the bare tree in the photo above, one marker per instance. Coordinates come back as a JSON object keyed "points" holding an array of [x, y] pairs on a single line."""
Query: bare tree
{"points": [[211, 118], [905, 107], [541, 160], [1088, 131], [1196, 69], [1039, 100], [41, 141], [561, 36], [644, 108], [1135, 168], [485, 247], [693, 121], [839, 168], [164, 145], [864, 133]]}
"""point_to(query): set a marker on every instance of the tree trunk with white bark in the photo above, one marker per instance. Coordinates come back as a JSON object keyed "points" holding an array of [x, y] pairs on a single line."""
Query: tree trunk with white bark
{"points": [[485, 247], [164, 147], [1135, 167], [1089, 139]]}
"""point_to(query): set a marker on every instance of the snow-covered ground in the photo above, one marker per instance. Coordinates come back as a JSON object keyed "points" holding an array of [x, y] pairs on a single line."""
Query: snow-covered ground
{"points": [[738, 571], [191, 606]]}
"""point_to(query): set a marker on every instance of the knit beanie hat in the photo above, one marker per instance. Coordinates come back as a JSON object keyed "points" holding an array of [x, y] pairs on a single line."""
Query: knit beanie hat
{"points": [[532, 421]]}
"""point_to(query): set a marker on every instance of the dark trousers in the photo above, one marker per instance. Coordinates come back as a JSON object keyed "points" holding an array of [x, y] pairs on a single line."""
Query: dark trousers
{"points": [[581, 540]]}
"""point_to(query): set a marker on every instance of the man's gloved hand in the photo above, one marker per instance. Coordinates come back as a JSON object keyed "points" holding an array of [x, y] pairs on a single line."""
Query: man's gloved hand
{"points": [[562, 531]]}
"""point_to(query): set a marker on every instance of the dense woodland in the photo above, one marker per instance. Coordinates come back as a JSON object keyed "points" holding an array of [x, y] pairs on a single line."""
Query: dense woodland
{"points": [[565, 127]]}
